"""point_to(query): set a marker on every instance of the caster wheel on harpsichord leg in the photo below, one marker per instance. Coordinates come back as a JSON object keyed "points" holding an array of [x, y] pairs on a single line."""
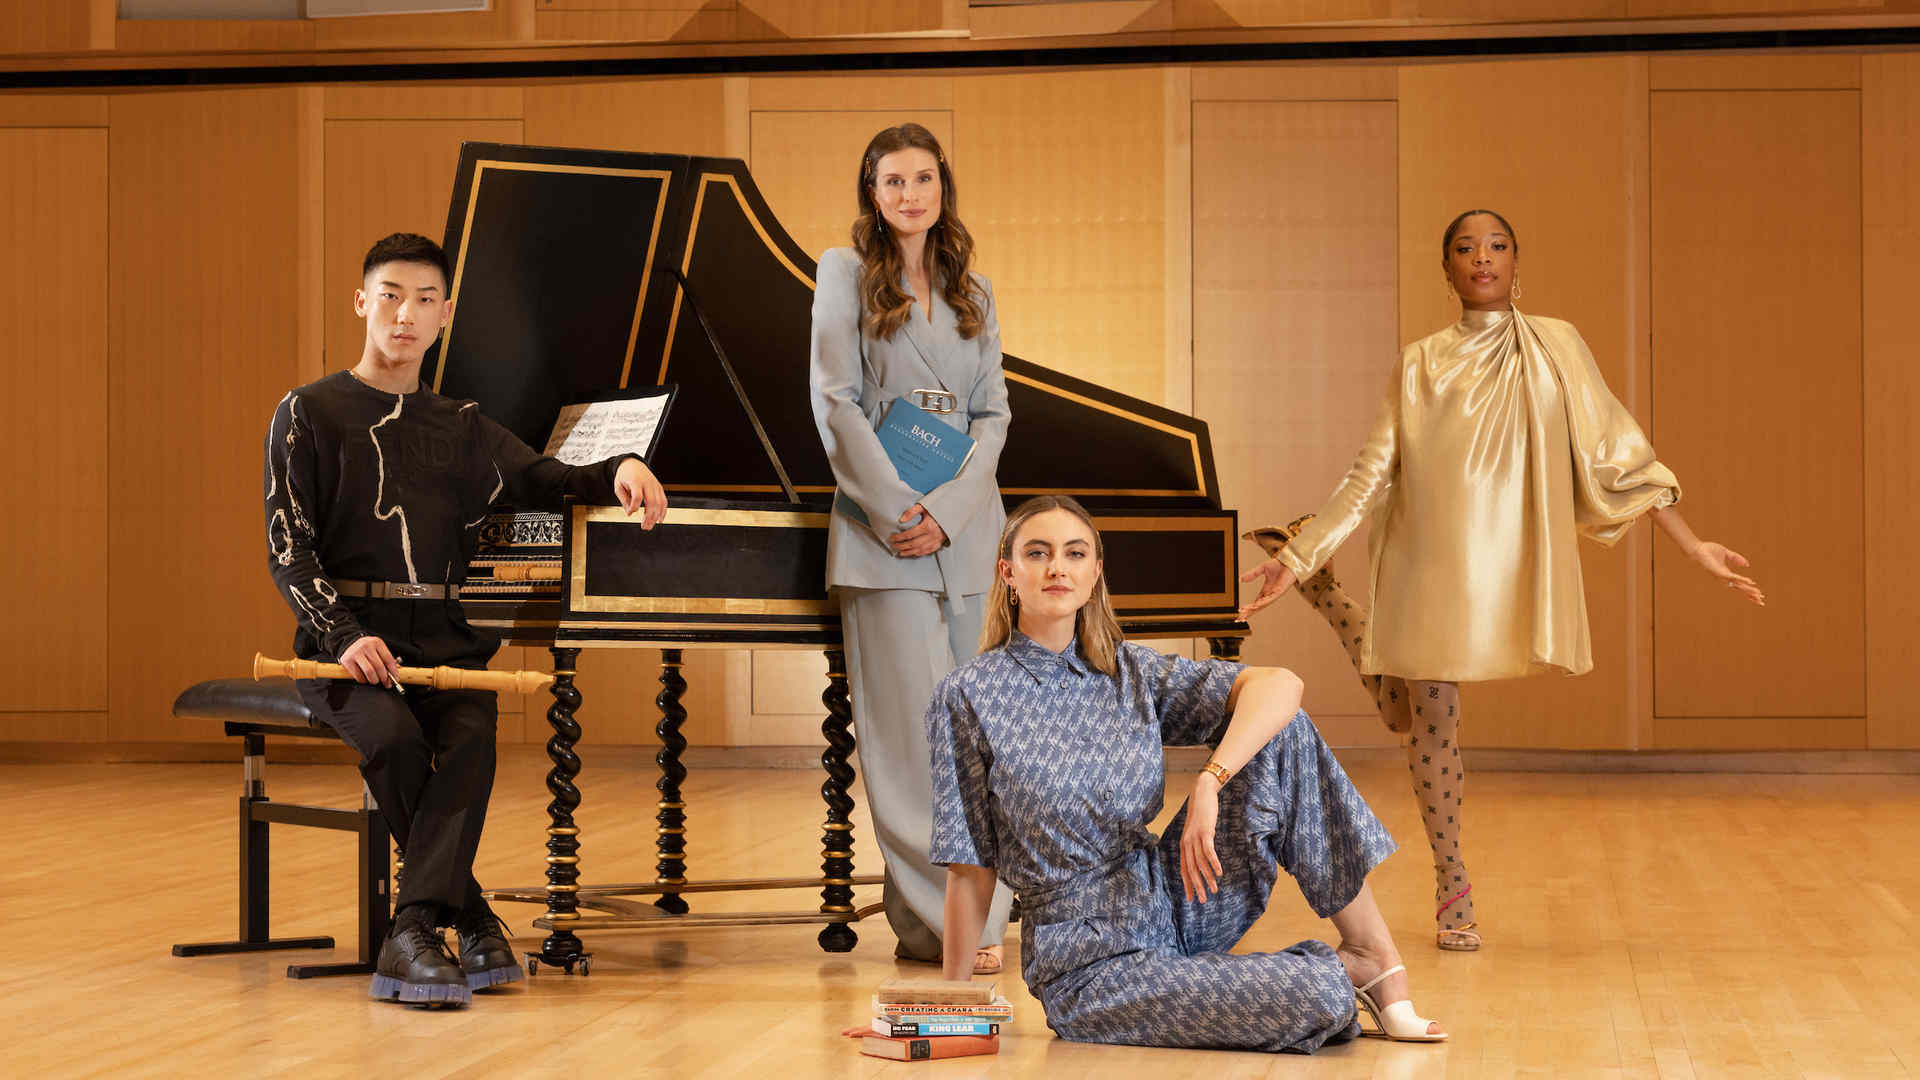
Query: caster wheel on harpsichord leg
{"points": [[584, 962]]}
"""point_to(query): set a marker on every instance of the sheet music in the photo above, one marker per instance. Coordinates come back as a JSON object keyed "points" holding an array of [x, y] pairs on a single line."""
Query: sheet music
{"points": [[598, 430]]}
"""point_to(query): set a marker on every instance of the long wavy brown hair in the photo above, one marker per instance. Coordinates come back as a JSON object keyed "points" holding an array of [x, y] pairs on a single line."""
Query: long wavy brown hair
{"points": [[1096, 625], [883, 302]]}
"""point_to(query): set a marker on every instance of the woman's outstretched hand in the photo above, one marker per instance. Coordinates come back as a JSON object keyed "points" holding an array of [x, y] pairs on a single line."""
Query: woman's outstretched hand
{"points": [[1199, 865], [1278, 578], [1720, 561]]}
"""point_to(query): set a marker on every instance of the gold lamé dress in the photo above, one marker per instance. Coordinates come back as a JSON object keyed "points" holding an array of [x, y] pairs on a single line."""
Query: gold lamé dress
{"points": [[1497, 446]]}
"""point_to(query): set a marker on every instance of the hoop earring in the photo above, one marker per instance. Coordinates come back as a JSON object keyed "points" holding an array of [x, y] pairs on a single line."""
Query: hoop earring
{"points": [[1515, 294]]}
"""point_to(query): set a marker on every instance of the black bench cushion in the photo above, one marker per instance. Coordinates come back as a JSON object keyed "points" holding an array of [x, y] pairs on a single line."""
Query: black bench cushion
{"points": [[269, 702]]}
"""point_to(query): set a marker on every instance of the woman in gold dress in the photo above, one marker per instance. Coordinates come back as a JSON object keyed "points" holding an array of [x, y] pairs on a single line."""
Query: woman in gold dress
{"points": [[1498, 445]]}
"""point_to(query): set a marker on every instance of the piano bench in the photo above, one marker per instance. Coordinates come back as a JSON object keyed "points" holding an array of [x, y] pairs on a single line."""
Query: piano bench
{"points": [[251, 711]]}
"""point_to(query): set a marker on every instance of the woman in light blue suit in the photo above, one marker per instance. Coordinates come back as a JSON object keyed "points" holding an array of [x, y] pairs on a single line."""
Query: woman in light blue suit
{"points": [[899, 316]]}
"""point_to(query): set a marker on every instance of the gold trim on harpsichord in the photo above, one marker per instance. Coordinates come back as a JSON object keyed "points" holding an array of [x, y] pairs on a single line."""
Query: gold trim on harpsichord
{"points": [[1231, 630], [756, 489], [1192, 439], [466, 232], [693, 515], [681, 635], [582, 600], [686, 256]]}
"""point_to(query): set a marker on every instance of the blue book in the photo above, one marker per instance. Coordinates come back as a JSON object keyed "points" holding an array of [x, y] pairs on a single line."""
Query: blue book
{"points": [[921, 1027], [925, 452]]}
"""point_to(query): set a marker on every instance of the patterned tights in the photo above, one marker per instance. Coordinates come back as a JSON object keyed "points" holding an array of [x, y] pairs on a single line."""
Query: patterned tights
{"points": [[1429, 712]]}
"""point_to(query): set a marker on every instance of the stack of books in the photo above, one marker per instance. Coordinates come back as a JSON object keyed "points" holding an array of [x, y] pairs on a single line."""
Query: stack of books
{"points": [[925, 1019]]}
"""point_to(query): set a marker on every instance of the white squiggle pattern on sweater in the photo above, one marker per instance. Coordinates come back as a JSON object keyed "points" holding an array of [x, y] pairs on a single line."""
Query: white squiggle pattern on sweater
{"points": [[380, 492]]}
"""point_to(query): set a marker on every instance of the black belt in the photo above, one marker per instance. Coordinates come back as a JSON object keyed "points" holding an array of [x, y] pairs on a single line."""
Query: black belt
{"points": [[394, 590]]}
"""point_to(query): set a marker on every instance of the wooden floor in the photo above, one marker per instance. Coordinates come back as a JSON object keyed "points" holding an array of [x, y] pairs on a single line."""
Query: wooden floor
{"points": [[1664, 925]]}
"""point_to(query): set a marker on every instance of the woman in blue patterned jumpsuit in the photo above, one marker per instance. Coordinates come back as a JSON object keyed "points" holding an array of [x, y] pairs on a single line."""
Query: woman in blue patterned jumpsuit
{"points": [[1047, 772]]}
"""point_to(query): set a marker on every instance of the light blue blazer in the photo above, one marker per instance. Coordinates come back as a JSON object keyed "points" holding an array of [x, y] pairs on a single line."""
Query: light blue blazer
{"points": [[855, 377]]}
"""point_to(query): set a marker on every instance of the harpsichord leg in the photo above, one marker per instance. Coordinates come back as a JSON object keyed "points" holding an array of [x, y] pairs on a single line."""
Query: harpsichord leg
{"points": [[562, 947], [671, 837], [1224, 648], [836, 867]]}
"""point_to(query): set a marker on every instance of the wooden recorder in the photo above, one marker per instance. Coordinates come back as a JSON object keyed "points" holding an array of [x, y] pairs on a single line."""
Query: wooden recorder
{"points": [[440, 678]]}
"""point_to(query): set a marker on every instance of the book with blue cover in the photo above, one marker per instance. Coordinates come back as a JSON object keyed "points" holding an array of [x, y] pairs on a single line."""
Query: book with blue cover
{"points": [[924, 451], [925, 1026]]}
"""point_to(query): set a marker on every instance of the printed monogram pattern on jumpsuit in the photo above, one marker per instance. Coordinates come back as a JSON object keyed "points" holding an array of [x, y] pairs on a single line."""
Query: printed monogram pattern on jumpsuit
{"points": [[1051, 773]]}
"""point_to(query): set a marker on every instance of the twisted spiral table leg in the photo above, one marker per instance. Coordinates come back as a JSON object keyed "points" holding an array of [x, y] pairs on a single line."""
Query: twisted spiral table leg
{"points": [[836, 867], [562, 947], [671, 836]]}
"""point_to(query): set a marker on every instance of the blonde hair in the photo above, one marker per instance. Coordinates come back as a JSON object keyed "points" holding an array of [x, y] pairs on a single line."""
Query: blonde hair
{"points": [[1097, 627]]}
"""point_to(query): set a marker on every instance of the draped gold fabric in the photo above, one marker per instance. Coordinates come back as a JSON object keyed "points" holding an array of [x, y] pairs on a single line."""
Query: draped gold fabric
{"points": [[1498, 444]]}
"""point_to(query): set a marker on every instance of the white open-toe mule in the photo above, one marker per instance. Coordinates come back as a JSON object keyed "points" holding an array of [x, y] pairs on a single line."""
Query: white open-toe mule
{"points": [[1397, 1021]]}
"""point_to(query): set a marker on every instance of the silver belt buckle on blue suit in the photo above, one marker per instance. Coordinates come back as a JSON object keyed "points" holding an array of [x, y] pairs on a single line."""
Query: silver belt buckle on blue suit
{"points": [[935, 401]]}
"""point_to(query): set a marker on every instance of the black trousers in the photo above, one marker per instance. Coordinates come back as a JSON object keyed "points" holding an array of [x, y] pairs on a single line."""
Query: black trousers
{"points": [[428, 756]]}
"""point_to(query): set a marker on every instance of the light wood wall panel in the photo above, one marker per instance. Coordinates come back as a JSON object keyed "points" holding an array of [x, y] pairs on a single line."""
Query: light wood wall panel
{"points": [[619, 687], [506, 22], [1756, 279], [56, 25], [1212, 14], [845, 18], [1068, 19], [1890, 267], [678, 25], [674, 116], [204, 231], [850, 92], [1063, 185], [1198, 14], [1556, 153], [1514, 10], [53, 110], [386, 176], [1804, 71], [1295, 268], [1647, 9], [53, 426], [1294, 82], [425, 101], [213, 35], [54, 727], [807, 163]]}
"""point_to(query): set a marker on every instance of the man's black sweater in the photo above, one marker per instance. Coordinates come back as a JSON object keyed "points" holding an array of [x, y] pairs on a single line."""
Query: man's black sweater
{"points": [[370, 486]]}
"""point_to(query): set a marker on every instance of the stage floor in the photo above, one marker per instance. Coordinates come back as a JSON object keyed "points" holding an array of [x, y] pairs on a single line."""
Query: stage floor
{"points": [[1636, 925]]}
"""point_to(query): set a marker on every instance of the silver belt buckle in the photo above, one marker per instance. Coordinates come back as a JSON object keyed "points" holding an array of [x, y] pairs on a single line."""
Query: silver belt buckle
{"points": [[400, 590], [936, 401]]}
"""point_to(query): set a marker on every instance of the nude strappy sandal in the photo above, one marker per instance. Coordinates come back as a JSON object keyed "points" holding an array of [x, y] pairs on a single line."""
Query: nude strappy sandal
{"points": [[1462, 938], [985, 963], [1397, 1021]]}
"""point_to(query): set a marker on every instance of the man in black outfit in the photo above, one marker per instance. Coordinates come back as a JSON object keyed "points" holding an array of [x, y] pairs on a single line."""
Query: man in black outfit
{"points": [[376, 489]]}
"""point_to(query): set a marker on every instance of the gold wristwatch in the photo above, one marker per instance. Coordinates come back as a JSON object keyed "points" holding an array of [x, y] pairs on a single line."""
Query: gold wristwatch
{"points": [[1220, 772]]}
